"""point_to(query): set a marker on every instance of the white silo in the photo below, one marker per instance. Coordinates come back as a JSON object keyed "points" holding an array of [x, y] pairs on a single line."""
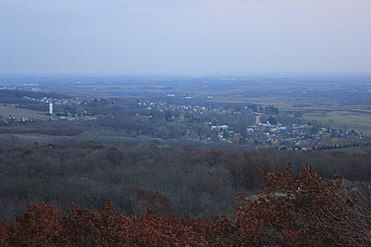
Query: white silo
{"points": [[51, 108]]}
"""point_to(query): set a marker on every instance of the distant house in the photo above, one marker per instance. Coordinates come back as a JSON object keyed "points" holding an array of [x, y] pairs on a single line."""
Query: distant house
{"points": [[219, 127]]}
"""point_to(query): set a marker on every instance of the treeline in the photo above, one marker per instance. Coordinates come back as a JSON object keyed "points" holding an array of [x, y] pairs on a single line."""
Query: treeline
{"points": [[338, 146], [197, 181], [56, 132], [23, 99], [305, 210], [53, 128]]}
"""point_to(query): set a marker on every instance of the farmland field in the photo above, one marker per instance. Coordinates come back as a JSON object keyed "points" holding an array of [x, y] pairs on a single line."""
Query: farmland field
{"points": [[343, 119], [6, 111]]}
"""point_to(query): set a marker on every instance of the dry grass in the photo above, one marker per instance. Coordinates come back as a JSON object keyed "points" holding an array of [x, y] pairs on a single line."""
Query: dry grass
{"points": [[5, 111]]}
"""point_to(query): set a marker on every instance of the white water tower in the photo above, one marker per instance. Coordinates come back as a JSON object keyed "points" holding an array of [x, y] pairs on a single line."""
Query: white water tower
{"points": [[51, 108]]}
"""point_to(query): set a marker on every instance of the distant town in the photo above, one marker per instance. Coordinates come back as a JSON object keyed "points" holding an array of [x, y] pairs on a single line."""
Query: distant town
{"points": [[185, 118]]}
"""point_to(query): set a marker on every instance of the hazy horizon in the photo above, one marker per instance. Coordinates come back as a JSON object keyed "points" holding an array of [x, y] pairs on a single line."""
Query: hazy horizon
{"points": [[163, 37]]}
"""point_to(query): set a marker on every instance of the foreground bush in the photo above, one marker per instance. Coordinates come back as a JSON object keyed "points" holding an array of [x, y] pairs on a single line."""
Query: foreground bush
{"points": [[306, 210]]}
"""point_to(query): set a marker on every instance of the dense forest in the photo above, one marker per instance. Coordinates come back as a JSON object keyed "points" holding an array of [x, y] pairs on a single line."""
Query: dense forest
{"points": [[200, 182], [305, 210]]}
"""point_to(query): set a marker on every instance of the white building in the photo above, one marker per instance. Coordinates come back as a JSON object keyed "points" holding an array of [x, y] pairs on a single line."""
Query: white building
{"points": [[219, 127]]}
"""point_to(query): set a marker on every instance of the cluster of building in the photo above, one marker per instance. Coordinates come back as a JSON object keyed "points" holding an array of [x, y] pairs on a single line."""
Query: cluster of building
{"points": [[285, 136], [10, 120], [76, 118], [293, 136]]}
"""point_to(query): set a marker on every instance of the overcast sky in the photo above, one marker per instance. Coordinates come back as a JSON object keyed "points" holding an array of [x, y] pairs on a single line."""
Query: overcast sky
{"points": [[184, 36]]}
